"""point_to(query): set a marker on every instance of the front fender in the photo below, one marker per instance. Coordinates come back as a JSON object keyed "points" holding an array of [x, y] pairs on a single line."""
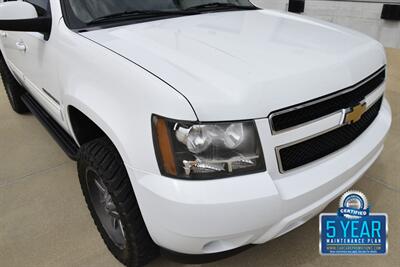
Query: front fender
{"points": [[119, 96]]}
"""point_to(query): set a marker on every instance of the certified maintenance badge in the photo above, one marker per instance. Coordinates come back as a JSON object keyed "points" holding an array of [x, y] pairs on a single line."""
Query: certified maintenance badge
{"points": [[353, 230]]}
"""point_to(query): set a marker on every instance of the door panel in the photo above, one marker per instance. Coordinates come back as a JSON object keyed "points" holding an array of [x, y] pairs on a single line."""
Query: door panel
{"points": [[41, 73], [12, 54], [34, 61]]}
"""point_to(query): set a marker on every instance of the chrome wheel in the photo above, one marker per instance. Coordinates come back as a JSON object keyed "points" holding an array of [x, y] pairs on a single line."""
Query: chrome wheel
{"points": [[105, 209]]}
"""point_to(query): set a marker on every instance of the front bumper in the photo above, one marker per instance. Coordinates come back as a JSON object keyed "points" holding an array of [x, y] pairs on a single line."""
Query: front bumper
{"points": [[202, 217]]}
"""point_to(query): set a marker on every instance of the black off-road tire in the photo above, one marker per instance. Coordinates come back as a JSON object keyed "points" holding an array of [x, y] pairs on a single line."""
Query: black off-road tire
{"points": [[101, 156], [13, 89]]}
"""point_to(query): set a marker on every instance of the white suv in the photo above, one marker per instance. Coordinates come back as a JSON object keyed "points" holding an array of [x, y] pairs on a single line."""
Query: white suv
{"points": [[198, 126]]}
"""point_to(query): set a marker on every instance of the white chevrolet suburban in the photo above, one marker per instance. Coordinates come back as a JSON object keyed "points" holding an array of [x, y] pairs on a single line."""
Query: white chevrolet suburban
{"points": [[198, 126]]}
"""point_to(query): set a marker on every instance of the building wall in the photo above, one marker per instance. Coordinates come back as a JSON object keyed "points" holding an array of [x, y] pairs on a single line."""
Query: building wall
{"points": [[364, 17]]}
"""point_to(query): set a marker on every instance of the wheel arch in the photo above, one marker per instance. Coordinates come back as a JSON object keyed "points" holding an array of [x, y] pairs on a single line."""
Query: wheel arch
{"points": [[83, 128], [86, 126]]}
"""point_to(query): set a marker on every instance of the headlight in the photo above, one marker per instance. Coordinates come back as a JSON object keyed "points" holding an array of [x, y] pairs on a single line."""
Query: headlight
{"points": [[207, 150]]}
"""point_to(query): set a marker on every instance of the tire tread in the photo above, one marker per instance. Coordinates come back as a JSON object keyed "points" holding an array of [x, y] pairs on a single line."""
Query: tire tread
{"points": [[101, 155]]}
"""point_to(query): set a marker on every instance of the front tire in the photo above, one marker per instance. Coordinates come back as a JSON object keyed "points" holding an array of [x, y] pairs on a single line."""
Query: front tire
{"points": [[13, 89], [112, 203]]}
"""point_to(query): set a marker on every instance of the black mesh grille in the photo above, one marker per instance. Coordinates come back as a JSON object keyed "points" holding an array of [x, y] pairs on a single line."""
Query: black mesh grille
{"points": [[325, 107], [320, 146]]}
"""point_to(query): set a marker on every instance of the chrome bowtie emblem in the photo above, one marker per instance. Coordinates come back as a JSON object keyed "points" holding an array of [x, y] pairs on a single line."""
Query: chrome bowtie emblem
{"points": [[355, 113]]}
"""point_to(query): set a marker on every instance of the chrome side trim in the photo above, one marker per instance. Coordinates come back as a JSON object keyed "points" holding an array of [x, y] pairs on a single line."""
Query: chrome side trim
{"points": [[312, 102], [51, 96], [278, 148]]}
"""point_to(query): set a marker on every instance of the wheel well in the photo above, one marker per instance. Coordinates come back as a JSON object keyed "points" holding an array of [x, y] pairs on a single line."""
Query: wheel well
{"points": [[85, 129]]}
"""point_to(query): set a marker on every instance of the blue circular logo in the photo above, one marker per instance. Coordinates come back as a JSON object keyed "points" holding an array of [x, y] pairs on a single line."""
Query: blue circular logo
{"points": [[353, 205]]}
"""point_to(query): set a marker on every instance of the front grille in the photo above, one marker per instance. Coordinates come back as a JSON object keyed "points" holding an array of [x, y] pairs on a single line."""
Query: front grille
{"points": [[317, 108], [320, 146]]}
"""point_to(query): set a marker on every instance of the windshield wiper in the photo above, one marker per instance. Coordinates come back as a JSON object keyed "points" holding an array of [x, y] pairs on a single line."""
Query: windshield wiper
{"points": [[218, 6], [140, 14]]}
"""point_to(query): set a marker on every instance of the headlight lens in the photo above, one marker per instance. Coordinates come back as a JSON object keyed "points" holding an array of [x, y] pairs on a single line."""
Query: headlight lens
{"points": [[208, 150]]}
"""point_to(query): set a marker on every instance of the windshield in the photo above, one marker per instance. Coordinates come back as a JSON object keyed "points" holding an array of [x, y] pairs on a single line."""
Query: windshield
{"points": [[81, 13]]}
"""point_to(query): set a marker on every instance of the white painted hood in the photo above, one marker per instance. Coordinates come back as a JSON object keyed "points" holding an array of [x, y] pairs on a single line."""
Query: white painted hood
{"points": [[245, 64]]}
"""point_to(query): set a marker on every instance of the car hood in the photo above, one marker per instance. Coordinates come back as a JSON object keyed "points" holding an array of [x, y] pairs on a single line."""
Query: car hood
{"points": [[245, 64]]}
